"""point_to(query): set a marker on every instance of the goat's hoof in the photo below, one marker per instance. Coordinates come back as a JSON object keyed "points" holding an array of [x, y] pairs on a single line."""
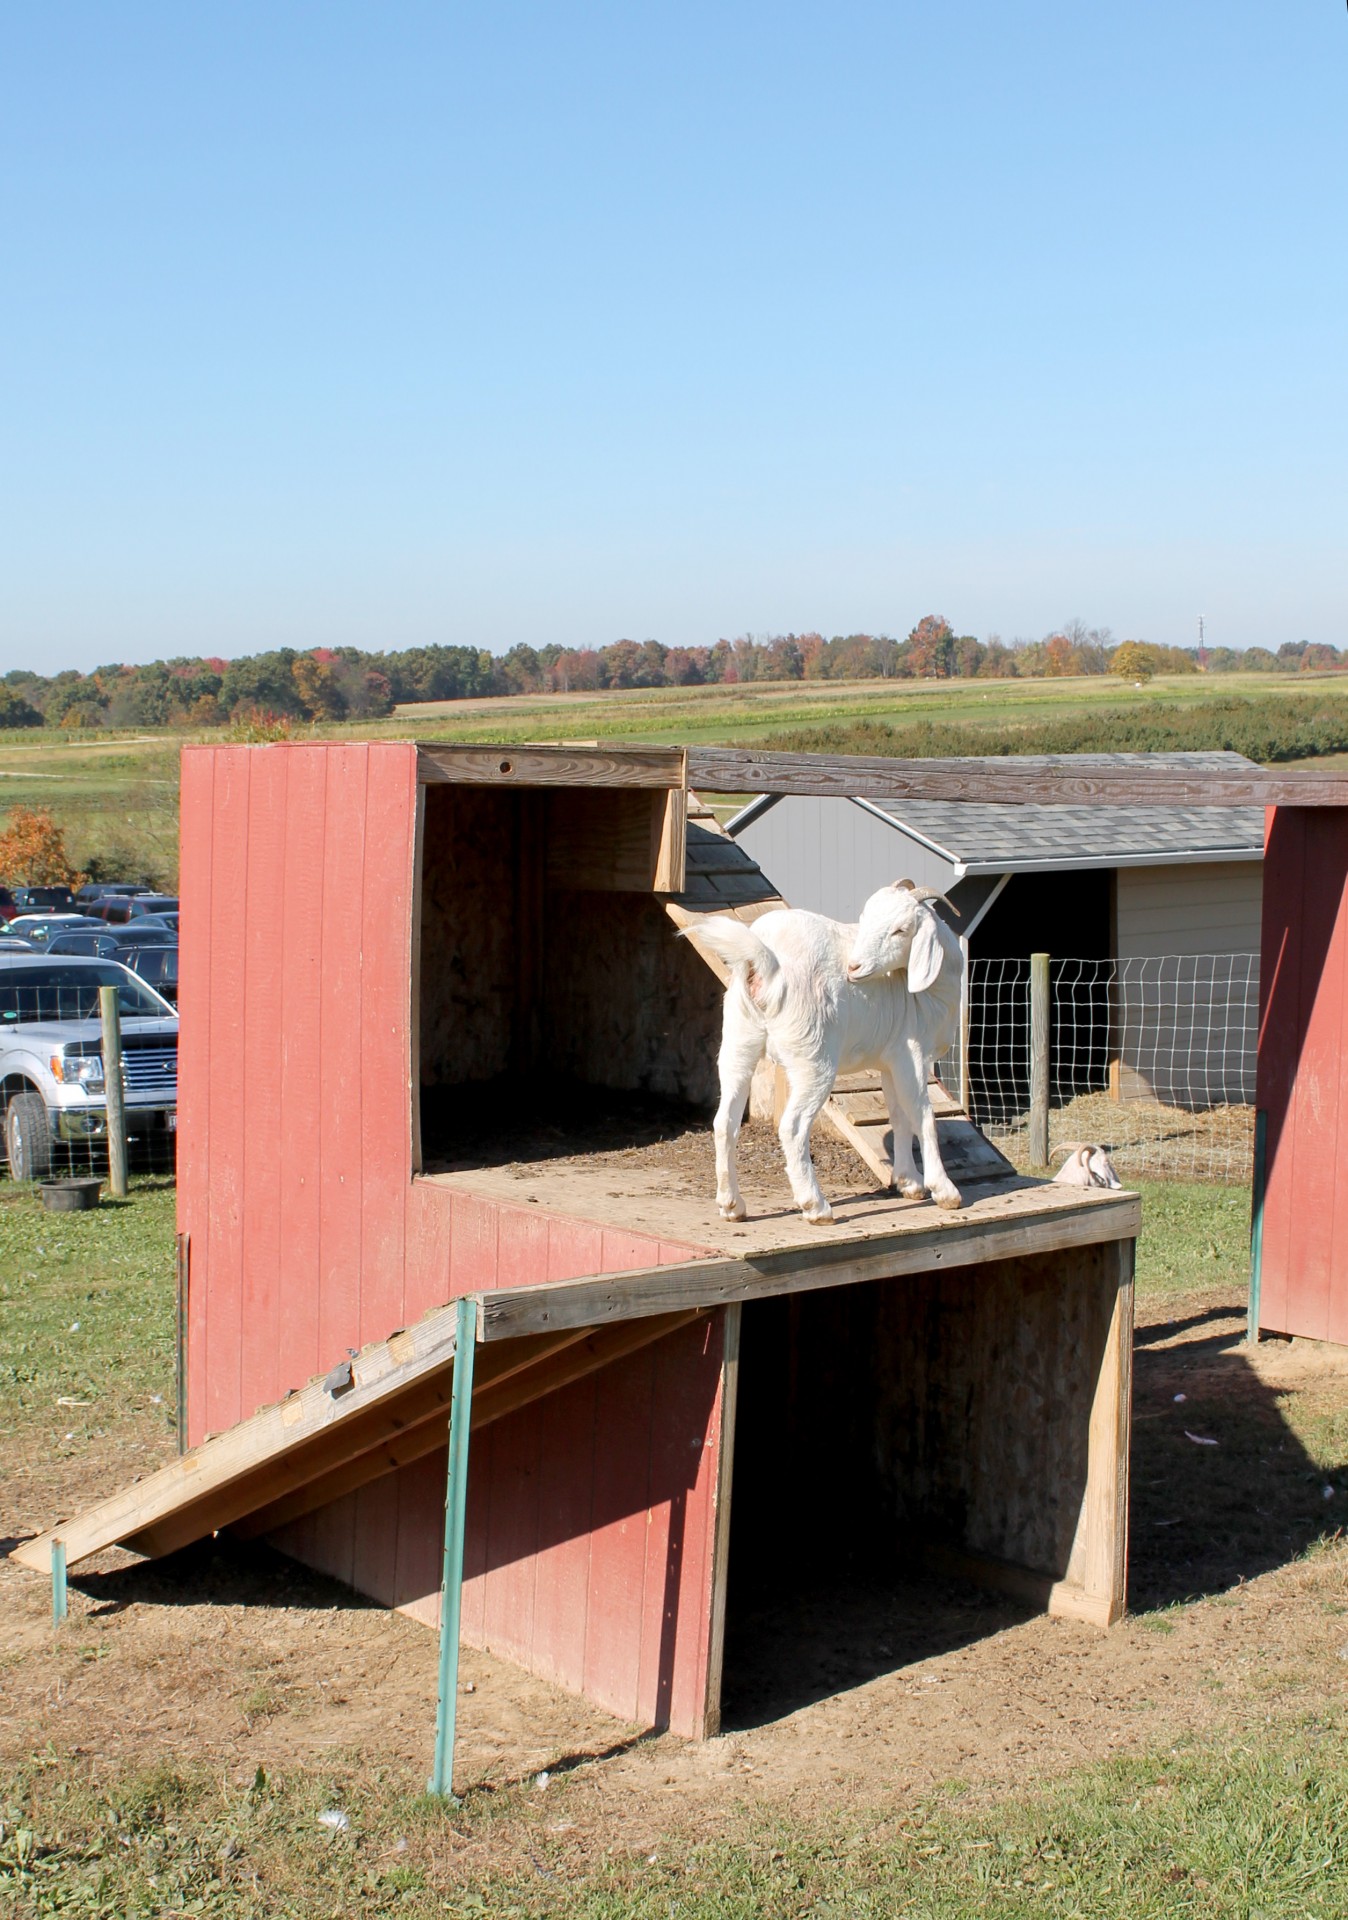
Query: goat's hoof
{"points": [[948, 1197], [732, 1209], [911, 1189], [819, 1216]]}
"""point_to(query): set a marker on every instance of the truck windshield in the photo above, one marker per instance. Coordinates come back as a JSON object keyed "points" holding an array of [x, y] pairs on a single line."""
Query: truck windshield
{"points": [[31, 994]]}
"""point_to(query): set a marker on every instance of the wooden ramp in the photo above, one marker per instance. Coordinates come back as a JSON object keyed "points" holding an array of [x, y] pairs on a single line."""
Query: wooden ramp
{"points": [[720, 877], [389, 1407]]}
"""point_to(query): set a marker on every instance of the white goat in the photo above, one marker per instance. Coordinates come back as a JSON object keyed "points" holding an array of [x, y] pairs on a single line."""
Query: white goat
{"points": [[1085, 1166], [822, 999]]}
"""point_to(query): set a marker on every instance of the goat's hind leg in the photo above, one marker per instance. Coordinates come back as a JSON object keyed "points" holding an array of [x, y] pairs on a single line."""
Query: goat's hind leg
{"points": [[742, 1044]]}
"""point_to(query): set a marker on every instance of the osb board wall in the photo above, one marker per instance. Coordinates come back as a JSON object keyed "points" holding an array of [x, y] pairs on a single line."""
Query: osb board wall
{"points": [[949, 1408], [468, 952], [985, 1380], [626, 1003]]}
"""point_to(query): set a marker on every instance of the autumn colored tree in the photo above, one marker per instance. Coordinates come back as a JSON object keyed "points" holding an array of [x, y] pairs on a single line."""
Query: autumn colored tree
{"points": [[319, 687], [930, 647], [1134, 660], [33, 851]]}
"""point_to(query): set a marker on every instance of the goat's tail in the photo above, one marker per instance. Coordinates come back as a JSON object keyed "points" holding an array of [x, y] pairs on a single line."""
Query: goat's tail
{"points": [[751, 961]]}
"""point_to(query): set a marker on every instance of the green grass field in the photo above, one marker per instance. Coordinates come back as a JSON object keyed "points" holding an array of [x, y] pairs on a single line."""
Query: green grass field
{"points": [[116, 795]]}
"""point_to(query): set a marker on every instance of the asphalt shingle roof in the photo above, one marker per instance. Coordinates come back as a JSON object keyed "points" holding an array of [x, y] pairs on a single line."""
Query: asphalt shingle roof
{"points": [[999, 839]]}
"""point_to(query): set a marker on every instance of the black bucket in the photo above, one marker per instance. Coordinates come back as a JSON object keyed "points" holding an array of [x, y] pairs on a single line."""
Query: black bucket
{"points": [[71, 1196]]}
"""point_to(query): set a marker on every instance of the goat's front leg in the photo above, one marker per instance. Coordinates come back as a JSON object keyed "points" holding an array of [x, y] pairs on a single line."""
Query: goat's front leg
{"points": [[909, 1069], [741, 1050], [902, 1126], [809, 1084]]}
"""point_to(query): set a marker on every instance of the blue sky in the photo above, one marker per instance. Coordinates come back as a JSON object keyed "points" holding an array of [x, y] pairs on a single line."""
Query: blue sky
{"points": [[477, 324]]}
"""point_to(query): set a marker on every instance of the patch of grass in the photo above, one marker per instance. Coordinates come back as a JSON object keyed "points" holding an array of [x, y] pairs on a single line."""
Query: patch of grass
{"points": [[1194, 1235], [86, 1312], [1251, 1828]]}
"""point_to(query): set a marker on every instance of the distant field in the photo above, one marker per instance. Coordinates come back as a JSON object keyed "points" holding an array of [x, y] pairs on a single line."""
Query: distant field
{"points": [[117, 796]]}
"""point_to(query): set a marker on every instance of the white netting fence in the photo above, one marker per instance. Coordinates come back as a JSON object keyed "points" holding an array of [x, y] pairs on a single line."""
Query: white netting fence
{"points": [[1154, 1059]]}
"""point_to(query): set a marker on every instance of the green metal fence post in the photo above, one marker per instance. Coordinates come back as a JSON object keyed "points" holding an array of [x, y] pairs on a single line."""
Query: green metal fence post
{"points": [[58, 1582], [1257, 1223], [451, 1585]]}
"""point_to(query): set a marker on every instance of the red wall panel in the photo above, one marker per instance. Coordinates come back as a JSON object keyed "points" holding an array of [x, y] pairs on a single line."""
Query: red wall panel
{"points": [[1302, 1085], [588, 1556]]}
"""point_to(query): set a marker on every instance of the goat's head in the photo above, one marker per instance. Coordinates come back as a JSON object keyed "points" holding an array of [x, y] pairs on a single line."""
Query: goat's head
{"points": [[898, 932]]}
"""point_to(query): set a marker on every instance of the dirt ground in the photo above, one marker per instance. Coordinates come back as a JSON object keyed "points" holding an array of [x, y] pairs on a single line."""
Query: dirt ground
{"points": [[234, 1659]]}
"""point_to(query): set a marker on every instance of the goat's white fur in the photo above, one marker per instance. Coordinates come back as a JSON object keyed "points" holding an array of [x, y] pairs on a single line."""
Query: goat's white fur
{"points": [[1085, 1166], [821, 999]]}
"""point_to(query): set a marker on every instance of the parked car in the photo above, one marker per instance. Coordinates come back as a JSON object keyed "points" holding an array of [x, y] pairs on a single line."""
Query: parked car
{"points": [[169, 921], [42, 927], [44, 899], [105, 889], [111, 943], [118, 909], [15, 943], [51, 1059], [158, 965]]}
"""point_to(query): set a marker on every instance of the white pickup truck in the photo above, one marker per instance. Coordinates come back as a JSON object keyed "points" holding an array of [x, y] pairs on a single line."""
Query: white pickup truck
{"points": [[51, 1059]]}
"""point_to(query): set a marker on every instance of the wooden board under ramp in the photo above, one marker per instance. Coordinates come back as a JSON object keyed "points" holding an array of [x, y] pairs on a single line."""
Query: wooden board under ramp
{"points": [[317, 1443]]}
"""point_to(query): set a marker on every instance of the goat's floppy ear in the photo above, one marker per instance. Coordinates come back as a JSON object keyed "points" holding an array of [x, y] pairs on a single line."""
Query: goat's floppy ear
{"points": [[926, 953]]}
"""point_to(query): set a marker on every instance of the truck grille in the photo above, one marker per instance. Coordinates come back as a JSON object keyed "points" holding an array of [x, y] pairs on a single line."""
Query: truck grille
{"points": [[151, 1070]]}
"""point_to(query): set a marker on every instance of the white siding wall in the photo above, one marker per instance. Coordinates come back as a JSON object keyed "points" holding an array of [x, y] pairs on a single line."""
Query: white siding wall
{"points": [[1187, 1024], [830, 855]]}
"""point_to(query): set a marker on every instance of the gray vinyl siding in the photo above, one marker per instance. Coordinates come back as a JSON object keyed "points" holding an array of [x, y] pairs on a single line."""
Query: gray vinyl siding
{"points": [[830, 855], [1187, 1002], [1210, 907]]}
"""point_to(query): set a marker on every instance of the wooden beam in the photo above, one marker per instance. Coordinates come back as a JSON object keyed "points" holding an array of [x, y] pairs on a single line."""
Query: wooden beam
{"points": [[509, 1312], [536, 766], [1104, 1574], [1063, 1599], [720, 1551], [1062, 781]]}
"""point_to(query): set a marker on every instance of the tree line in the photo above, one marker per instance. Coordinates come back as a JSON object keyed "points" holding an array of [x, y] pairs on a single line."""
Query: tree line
{"points": [[341, 683]]}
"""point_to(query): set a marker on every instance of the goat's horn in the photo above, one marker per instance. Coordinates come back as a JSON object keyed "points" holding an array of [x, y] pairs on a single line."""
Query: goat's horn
{"points": [[1068, 1146], [930, 893]]}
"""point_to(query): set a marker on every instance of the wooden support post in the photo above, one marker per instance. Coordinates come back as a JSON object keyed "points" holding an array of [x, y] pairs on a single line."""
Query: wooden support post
{"points": [[114, 1092], [963, 1094], [58, 1582], [180, 1356], [1039, 1025], [451, 1584], [1104, 1573], [720, 1564], [1257, 1223]]}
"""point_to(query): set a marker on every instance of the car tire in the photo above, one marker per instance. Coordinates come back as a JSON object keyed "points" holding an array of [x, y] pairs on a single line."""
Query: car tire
{"points": [[28, 1142]]}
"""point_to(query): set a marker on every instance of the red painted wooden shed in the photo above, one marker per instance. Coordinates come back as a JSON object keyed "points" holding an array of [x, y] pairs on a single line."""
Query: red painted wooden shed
{"points": [[393, 956], [1300, 1283]]}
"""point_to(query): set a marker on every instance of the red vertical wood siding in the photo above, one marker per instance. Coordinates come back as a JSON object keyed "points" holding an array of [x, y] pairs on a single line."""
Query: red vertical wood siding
{"points": [[1302, 1085], [591, 1516]]}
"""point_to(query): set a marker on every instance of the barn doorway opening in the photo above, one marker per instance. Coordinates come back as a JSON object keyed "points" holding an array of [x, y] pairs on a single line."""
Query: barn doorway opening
{"points": [[822, 1595], [556, 1011]]}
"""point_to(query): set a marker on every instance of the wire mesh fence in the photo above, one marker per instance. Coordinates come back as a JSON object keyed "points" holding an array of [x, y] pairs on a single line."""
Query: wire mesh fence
{"points": [[1153, 1059]]}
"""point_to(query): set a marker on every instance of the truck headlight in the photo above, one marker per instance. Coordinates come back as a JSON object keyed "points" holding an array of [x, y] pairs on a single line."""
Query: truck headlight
{"points": [[79, 1070]]}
